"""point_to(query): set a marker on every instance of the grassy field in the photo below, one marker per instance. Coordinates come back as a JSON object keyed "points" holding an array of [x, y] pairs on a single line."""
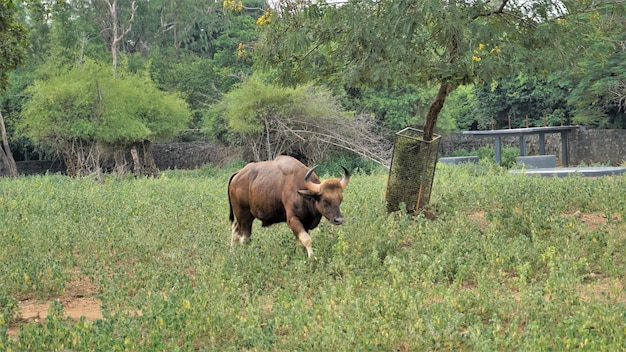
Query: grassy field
{"points": [[512, 263]]}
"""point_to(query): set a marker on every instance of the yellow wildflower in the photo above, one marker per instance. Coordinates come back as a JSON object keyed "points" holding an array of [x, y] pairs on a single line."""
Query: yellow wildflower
{"points": [[264, 19], [232, 5], [241, 50]]}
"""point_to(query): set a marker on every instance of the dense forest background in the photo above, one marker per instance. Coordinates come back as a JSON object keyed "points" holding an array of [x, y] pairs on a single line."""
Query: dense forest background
{"points": [[106, 78]]}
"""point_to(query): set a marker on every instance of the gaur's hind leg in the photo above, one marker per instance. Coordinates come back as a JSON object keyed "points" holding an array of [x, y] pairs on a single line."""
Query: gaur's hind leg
{"points": [[242, 230]]}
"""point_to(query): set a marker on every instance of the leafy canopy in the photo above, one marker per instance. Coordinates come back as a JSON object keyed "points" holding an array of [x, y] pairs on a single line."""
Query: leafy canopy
{"points": [[253, 101], [600, 77], [388, 41], [87, 103], [13, 41], [450, 43]]}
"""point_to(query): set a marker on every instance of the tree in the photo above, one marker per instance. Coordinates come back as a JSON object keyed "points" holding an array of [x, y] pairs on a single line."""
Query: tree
{"points": [[599, 81], [449, 43], [136, 114], [199, 49], [62, 113], [6, 157], [397, 107], [86, 107], [305, 121], [13, 42], [190, 46], [521, 99], [461, 109]]}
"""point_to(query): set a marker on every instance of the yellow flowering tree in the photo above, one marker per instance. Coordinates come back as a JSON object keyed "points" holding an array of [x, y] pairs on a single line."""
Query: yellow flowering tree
{"points": [[448, 43]]}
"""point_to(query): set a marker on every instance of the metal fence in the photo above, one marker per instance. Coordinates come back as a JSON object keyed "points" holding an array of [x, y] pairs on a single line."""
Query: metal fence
{"points": [[412, 170]]}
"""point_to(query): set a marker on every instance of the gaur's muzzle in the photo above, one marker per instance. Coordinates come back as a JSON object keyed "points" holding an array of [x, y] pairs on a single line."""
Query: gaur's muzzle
{"points": [[337, 221]]}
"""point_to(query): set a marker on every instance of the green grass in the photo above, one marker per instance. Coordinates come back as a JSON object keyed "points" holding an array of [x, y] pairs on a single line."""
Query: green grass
{"points": [[512, 263]]}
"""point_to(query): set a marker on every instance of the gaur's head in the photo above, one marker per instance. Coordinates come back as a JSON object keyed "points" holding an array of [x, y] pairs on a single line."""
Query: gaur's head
{"points": [[327, 195]]}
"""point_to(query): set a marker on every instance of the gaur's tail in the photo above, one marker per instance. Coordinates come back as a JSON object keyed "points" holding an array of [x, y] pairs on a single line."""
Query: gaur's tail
{"points": [[231, 216]]}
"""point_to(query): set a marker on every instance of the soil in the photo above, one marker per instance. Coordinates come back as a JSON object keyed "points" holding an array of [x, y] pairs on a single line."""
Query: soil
{"points": [[592, 220], [77, 300]]}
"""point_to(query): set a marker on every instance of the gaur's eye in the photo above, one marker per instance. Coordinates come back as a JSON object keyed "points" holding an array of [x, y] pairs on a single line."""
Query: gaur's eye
{"points": [[326, 203]]}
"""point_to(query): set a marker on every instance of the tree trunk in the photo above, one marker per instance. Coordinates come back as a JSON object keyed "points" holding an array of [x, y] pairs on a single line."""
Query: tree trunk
{"points": [[118, 36], [137, 167], [119, 155], [81, 157], [149, 165], [143, 160], [268, 143], [435, 108], [413, 165], [5, 154]]}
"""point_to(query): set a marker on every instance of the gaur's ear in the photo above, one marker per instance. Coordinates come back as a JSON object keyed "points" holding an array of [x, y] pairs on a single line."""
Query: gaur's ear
{"points": [[308, 194]]}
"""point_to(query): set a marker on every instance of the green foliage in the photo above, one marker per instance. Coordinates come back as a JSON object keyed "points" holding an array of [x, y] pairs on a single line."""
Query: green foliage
{"points": [[86, 102], [247, 107], [196, 49], [400, 107], [459, 112], [521, 97], [458, 152], [332, 165], [586, 93], [391, 43], [9, 308], [135, 110], [599, 75], [64, 106], [202, 81], [13, 41], [509, 155], [599, 88], [502, 268]]}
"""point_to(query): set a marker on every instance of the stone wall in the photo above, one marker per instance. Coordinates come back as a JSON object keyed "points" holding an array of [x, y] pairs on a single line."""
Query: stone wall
{"points": [[598, 146], [587, 146], [34, 167], [191, 155]]}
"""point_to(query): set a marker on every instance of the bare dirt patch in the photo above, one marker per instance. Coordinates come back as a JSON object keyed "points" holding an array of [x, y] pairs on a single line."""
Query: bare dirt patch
{"points": [[479, 218], [604, 289], [77, 301], [591, 220]]}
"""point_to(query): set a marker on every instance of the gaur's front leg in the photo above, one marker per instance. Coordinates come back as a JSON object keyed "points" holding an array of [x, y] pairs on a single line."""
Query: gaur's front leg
{"points": [[301, 234]]}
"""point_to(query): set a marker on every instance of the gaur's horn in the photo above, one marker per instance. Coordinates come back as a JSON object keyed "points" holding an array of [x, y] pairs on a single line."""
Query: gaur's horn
{"points": [[313, 187], [345, 179]]}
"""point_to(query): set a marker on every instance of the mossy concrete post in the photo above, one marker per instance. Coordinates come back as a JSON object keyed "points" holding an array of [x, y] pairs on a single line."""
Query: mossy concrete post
{"points": [[412, 170]]}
